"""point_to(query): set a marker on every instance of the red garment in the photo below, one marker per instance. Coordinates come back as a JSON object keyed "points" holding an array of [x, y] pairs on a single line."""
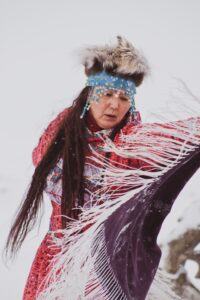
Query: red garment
{"points": [[45, 253]]}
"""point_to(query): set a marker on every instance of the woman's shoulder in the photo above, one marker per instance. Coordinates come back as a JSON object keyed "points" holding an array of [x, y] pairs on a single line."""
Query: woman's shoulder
{"points": [[130, 128], [47, 136]]}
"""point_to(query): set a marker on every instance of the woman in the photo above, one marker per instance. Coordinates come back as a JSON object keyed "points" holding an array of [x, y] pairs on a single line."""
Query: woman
{"points": [[91, 162]]}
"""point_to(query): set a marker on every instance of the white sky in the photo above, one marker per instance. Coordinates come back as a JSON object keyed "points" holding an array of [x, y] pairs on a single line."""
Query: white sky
{"points": [[40, 74]]}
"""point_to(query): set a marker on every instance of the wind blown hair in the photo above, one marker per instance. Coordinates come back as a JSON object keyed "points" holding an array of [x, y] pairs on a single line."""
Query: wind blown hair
{"points": [[69, 140], [71, 144]]}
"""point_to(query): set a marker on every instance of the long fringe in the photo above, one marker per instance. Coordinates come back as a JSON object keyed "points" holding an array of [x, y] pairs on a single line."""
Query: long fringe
{"points": [[83, 253]]}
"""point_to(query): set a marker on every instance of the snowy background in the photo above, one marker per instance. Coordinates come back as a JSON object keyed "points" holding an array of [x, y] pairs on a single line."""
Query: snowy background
{"points": [[40, 75]]}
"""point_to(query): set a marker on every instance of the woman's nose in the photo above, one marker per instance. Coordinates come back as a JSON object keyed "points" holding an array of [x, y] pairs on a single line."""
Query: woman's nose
{"points": [[114, 102]]}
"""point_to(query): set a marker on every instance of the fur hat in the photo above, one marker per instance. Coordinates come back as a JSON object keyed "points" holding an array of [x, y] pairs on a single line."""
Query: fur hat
{"points": [[123, 59]]}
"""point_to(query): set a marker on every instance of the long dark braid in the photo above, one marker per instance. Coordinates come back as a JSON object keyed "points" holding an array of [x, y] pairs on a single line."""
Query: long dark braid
{"points": [[69, 143]]}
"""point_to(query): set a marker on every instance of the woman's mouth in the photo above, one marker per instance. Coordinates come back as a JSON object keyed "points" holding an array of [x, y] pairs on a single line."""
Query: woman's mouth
{"points": [[110, 116]]}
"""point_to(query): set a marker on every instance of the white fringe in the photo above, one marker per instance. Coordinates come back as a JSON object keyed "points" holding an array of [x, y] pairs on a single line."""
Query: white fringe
{"points": [[74, 268]]}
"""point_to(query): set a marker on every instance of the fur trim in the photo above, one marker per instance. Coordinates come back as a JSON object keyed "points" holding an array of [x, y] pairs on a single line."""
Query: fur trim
{"points": [[123, 59]]}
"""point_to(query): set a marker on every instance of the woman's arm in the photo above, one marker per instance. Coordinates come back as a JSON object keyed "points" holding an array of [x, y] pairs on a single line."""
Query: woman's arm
{"points": [[151, 140]]}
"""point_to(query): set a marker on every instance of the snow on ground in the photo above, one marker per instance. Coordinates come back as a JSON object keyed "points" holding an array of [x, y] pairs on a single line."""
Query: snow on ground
{"points": [[185, 215], [192, 268]]}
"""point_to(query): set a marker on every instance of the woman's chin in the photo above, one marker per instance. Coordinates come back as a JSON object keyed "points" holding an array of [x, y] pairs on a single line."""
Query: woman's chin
{"points": [[108, 124]]}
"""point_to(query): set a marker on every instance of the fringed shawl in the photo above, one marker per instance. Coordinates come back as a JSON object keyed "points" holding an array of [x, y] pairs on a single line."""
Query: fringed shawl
{"points": [[117, 256]]}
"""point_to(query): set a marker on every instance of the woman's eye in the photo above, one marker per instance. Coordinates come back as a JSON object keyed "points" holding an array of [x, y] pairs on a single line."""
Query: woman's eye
{"points": [[123, 98], [108, 94]]}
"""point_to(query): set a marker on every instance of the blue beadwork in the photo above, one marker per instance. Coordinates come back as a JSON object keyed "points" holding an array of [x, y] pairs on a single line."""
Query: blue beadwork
{"points": [[102, 82]]}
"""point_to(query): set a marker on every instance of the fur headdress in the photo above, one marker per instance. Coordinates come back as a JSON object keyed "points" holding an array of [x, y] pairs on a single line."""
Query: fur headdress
{"points": [[122, 59]]}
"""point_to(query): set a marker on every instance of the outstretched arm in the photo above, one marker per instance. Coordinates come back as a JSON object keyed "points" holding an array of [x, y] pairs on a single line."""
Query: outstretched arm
{"points": [[153, 143]]}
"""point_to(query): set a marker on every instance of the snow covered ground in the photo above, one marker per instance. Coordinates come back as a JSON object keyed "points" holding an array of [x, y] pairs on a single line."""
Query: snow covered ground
{"points": [[40, 75], [184, 215]]}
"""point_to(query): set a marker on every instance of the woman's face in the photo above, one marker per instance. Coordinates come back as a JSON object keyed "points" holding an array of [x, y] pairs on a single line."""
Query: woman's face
{"points": [[111, 109]]}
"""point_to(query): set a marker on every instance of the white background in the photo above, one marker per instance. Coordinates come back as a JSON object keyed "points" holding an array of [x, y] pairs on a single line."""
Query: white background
{"points": [[40, 74]]}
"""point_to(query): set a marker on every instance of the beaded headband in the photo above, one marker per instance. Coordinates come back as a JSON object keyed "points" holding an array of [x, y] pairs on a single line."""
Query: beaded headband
{"points": [[102, 82]]}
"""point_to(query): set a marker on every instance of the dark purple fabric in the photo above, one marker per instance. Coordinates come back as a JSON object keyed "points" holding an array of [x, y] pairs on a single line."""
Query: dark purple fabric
{"points": [[132, 249]]}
